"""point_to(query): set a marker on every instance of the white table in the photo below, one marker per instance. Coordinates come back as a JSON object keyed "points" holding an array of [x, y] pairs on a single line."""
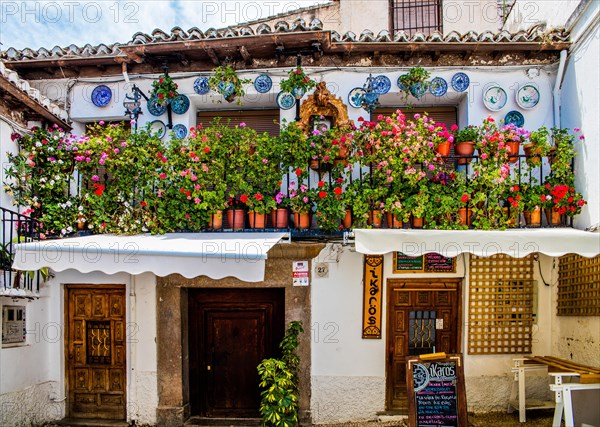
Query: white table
{"points": [[520, 370], [564, 399]]}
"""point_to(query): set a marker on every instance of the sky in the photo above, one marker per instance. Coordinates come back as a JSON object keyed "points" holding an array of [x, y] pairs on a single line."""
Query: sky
{"points": [[36, 24]]}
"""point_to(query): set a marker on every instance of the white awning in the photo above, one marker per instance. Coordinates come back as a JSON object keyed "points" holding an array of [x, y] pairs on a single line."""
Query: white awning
{"points": [[216, 255], [517, 243]]}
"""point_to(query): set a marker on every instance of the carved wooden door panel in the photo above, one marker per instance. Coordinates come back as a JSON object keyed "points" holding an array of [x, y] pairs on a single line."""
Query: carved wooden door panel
{"points": [[423, 317], [95, 351], [230, 332]]}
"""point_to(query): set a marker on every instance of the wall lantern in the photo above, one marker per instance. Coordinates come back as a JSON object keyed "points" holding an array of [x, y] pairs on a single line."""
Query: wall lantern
{"points": [[133, 104]]}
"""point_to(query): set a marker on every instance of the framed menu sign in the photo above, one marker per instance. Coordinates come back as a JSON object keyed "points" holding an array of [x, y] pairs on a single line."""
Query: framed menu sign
{"points": [[436, 390], [428, 263]]}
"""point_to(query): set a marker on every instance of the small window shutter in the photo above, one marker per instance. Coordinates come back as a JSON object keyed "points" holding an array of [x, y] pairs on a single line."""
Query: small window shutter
{"points": [[259, 120]]}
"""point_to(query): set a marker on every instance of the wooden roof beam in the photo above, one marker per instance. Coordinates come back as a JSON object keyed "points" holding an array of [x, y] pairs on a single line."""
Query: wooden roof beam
{"points": [[213, 56]]}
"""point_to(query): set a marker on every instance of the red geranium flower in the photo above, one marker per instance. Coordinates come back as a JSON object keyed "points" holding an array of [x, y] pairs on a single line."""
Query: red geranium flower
{"points": [[244, 198], [322, 194], [258, 197], [321, 184], [464, 198], [338, 190]]}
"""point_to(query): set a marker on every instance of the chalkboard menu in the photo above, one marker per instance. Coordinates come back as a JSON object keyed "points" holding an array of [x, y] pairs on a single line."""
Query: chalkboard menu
{"points": [[436, 391], [428, 263]]}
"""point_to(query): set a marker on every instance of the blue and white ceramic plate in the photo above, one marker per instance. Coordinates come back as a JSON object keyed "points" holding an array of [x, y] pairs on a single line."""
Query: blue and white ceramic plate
{"points": [[494, 98], [460, 82], [418, 90], [528, 96], [399, 83], [101, 96], [155, 108], [381, 85], [158, 127], [356, 97], [285, 100], [180, 131], [438, 86], [263, 83], [515, 118], [201, 86], [180, 104]]}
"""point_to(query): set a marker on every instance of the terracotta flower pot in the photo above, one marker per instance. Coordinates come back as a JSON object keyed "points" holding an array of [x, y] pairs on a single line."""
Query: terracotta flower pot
{"points": [[554, 218], [418, 222], [375, 217], [279, 218], [302, 220], [347, 221], [443, 149], [465, 215], [511, 222], [392, 221], [215, 222], [513, 151], [465, 148], [533, 155], [533, 218], [235, 219], [256, 220]]}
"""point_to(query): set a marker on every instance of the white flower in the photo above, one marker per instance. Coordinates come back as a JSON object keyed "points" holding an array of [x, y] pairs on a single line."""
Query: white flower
{"points": [[69, 229], [80, 208], [38, 144], [69, 204], [63, 231], [51, 182]]}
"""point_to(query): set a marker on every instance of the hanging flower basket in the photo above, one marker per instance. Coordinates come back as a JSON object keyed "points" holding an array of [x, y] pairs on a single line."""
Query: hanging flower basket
{"points": [[297, 83], [226, 82], [164, 89]]}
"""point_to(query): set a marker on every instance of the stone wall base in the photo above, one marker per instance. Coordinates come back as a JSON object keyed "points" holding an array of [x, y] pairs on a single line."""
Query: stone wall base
{"points": [[32, 405]]}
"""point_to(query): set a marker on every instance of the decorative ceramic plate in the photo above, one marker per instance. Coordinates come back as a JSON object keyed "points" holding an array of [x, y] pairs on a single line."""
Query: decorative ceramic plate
{"points": [[418, 90], [158, 127], [381, 85], [528, 96], [494, 98], [356, 97], [460, 82], [515, 118], [155, 108], [399, 83], [285, 100], [180, 104], [101, 96], [201, 86], [438, 86], [180, 131], [263, 83]]}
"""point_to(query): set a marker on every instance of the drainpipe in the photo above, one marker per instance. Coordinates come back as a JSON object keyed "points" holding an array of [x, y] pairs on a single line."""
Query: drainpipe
{"points": [[557, 85], [124, 70]]}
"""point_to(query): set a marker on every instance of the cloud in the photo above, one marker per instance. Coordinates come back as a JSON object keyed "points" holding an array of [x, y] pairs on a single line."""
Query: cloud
{"points": [[49, 23]]}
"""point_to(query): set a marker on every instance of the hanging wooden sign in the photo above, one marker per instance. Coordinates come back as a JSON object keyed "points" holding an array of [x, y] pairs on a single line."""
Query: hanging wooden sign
{"points": [[436, 390], [428, 263], [373, 295]]}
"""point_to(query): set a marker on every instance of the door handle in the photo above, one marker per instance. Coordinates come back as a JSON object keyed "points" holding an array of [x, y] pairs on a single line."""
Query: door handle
{"points": [[208, 367]]}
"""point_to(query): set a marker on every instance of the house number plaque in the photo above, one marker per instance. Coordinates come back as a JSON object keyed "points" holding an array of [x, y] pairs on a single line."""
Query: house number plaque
{"points": [[373, 295]]}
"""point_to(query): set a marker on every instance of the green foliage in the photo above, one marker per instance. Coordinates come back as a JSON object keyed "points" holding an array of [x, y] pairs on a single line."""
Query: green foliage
{"points": [[297, 79], [279, 379], [164, 89], [470, 133], [415, 76], [225, 81]]}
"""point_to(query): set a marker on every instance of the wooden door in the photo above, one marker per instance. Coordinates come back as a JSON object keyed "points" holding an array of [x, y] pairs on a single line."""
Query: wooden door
{"points": [[423, 317], [95, 351], [230, 332]]}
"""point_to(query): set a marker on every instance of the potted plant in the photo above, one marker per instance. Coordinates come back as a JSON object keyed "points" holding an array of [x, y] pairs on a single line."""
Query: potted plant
{"points": [[561, 155], [300, 201], [396, 212], [258, 206], [513, 136], [465, 140], [537, 147], [225, 81], [164, 89], [561, 201], [330, 206], [533, 200], [297, 83], [418, 203], [415, 82]]}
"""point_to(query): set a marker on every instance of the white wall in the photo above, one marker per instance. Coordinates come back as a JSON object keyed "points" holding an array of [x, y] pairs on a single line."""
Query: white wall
{"points": [[580, 107], [553, 13], [6, 145], [465, 15]]}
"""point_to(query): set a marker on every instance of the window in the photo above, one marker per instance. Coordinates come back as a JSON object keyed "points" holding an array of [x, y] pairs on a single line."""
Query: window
{"points": [[579, 286], [501, 305], [412, 16], [259, 120], [13, 324]]}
